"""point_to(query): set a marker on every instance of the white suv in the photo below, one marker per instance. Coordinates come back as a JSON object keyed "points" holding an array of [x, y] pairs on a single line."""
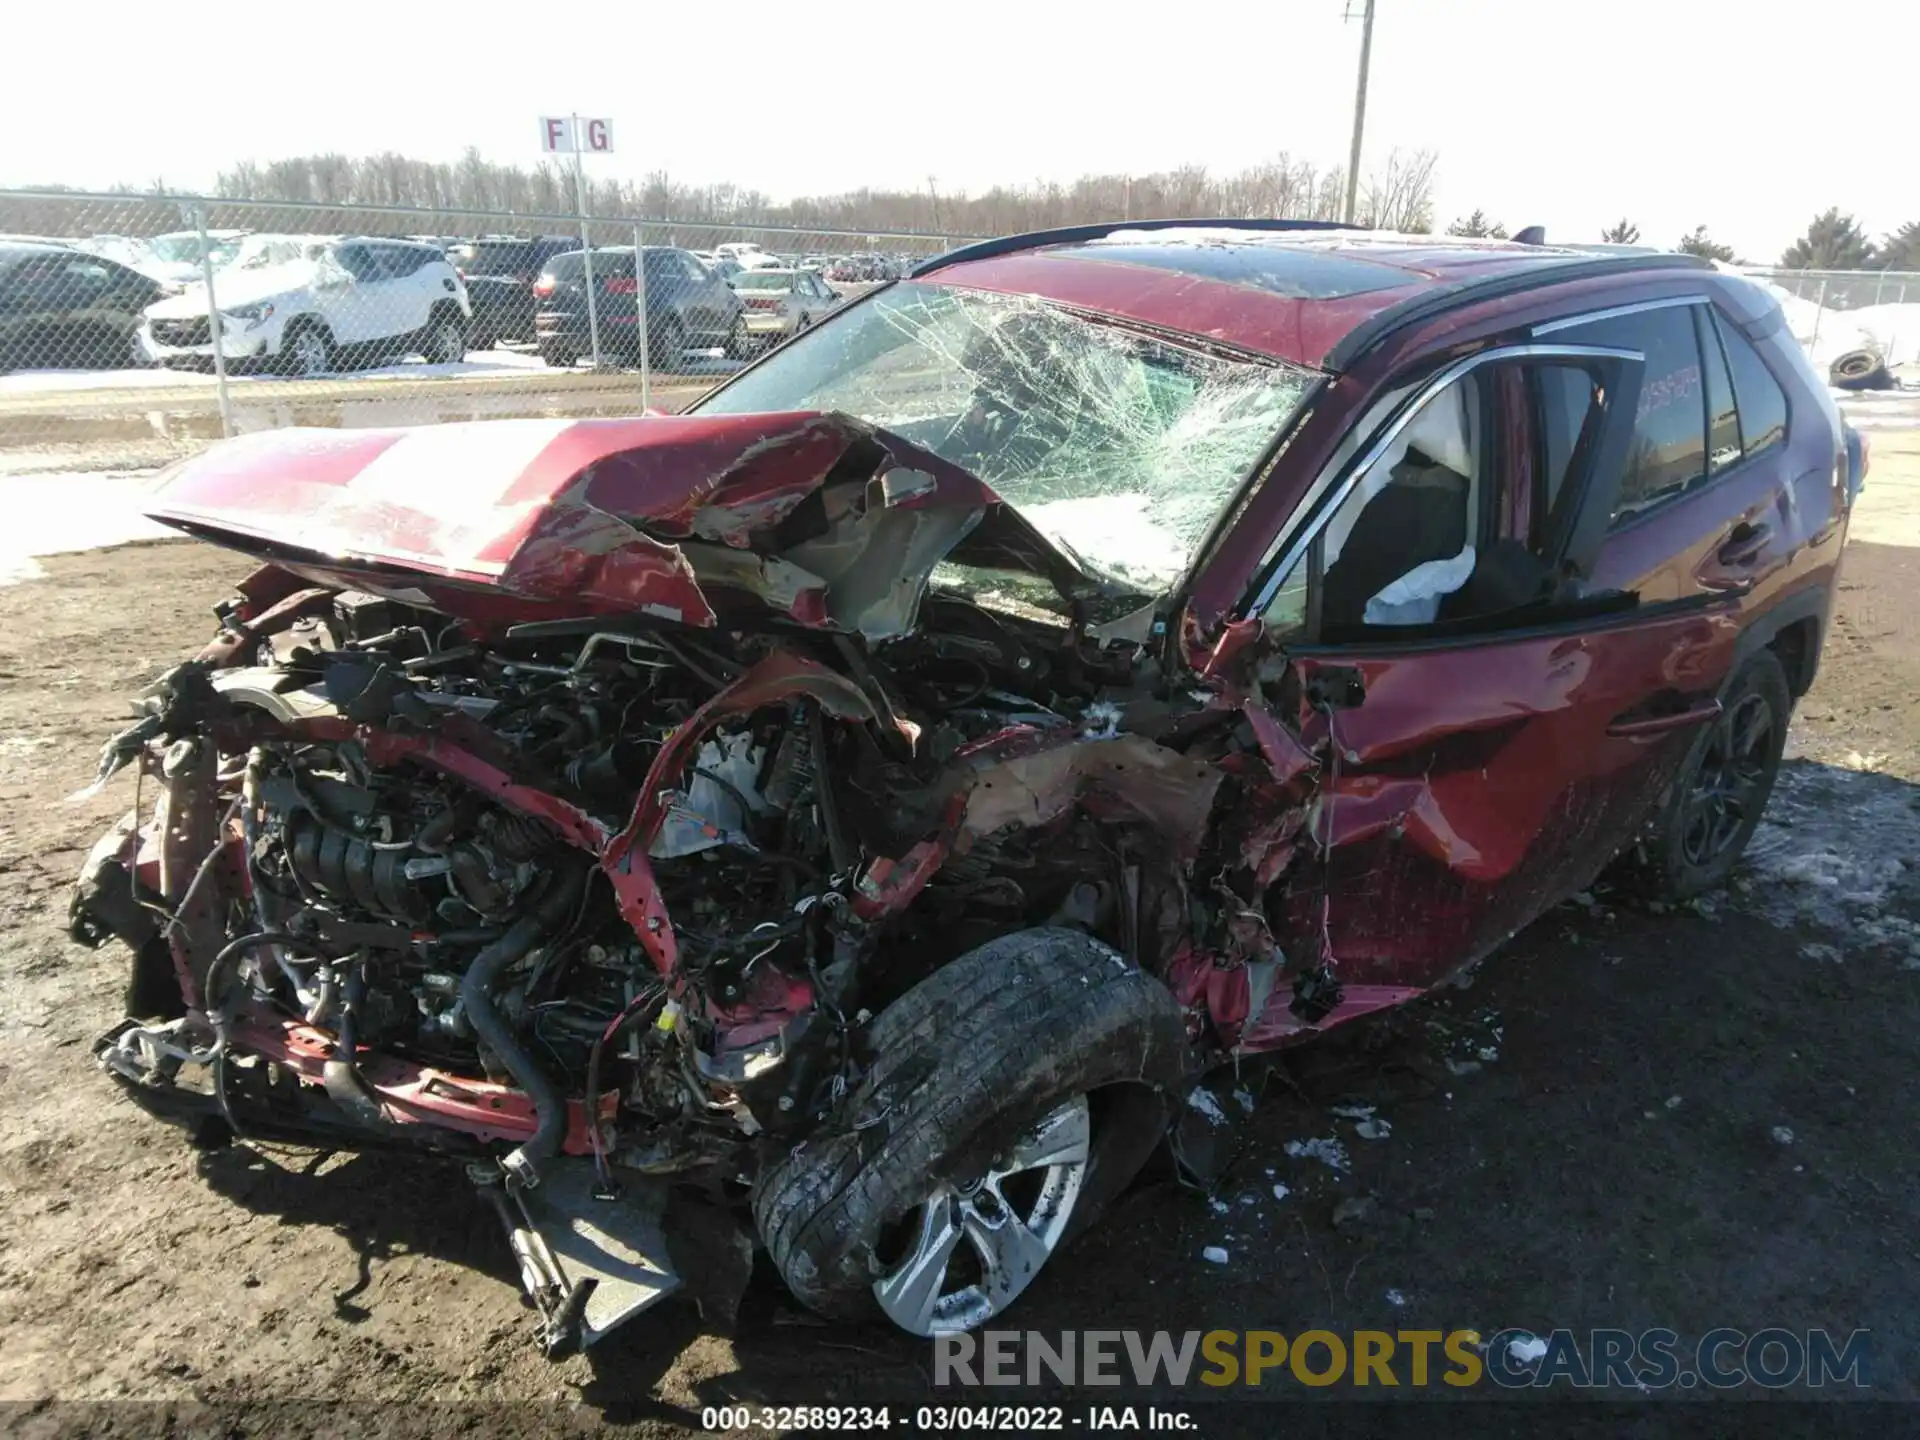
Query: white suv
{"points": [[303, 303]]}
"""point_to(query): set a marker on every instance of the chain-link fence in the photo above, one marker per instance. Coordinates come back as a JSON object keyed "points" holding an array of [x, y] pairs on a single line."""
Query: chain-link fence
{"points": [[1833, 312], [134, 329]]}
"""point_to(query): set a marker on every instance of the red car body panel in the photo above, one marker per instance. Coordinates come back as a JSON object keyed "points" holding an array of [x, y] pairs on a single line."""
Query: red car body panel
{"points": [[546, 514], [1480, 780]]}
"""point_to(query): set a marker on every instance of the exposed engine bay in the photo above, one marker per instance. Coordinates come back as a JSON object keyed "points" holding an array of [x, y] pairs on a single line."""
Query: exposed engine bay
{"points": [[603, 890], [605, 902]]}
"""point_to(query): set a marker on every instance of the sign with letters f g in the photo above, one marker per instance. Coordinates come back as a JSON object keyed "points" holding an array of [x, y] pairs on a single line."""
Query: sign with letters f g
{"points": [[573, 135]]}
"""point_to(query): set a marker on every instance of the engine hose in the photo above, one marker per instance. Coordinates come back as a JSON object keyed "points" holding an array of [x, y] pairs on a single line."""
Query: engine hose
{"points": [[549, 1106], [636, 1007], [217, 979]]}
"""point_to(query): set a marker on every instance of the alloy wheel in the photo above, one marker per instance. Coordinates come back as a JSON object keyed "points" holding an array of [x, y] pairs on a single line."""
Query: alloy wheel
{"points": [[1011, 1219], [309, 353], [1728, 782]]}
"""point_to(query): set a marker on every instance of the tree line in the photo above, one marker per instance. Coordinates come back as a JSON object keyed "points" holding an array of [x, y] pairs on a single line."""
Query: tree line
{"points": [[1397, 194], [1832, 241]]}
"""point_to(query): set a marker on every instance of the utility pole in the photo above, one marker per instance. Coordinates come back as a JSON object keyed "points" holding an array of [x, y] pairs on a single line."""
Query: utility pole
{"points": [[1359, 111]]}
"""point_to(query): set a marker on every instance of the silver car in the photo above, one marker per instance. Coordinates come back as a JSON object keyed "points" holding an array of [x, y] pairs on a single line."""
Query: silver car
{"points": [[782, 303]]}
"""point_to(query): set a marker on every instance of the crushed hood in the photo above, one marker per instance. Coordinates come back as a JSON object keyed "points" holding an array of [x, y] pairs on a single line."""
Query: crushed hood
{"points": [[826, 520]]}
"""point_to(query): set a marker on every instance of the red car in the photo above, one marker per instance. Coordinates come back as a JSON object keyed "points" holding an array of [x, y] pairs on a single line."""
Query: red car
{"points": [[851, 815]]}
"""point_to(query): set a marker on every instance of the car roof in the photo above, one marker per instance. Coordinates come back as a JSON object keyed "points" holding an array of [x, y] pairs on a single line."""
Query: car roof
{"points": [[1291, 290], [21, 249]]}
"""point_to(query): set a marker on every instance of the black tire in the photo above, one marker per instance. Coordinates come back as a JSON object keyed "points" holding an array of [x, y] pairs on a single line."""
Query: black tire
{"points": [[296, 358], [444, 341], [558, 358], [1859, 370], [1679, 866], [667, 344], [739, 338], [966, 1060]]}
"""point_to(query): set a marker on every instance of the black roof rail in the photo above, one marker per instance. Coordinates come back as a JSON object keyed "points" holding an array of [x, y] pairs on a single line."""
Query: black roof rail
{"points": [[1439, 299], [1072, 234]]}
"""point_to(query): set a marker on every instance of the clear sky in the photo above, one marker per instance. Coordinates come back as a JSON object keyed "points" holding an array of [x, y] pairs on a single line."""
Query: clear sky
{"points": [[1748, 118]]}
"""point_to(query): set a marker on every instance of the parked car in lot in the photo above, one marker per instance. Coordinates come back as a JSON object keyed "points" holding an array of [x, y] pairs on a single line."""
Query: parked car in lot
{"points": [[688, 307], [781, 303], [500, 271], [64, 308], [306, 304], [175, 259], [1102, 656]]}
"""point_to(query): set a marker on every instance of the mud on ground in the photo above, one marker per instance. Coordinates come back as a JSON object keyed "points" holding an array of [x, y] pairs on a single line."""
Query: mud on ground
{"points": [[1583, 1136]]}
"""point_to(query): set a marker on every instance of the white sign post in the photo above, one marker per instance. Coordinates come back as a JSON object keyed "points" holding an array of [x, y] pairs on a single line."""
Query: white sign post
{"points": [[569, 134]]}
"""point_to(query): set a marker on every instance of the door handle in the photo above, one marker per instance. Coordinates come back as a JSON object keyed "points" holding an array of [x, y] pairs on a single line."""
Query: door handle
{"points": [[1701, 714], [1744, 543]]}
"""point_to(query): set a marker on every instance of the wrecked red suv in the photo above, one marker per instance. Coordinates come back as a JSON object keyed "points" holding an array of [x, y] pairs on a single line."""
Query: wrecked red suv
{"points": [[851, 815]]}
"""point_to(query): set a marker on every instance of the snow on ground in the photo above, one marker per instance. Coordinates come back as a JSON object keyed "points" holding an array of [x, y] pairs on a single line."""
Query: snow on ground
{"points": [[1891, 329], [480, 364], [54, 513]]}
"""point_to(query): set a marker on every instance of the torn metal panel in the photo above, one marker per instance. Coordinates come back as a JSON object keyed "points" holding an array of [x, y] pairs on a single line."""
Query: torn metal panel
{"points": [[1125, 777], [661, 516]]}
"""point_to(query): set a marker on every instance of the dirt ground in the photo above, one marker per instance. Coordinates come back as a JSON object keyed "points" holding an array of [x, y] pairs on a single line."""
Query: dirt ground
{"points": [[1582, 1136]]}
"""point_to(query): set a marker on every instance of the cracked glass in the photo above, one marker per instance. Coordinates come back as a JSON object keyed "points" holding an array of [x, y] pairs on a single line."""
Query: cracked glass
{"points": [[1120, 447]]}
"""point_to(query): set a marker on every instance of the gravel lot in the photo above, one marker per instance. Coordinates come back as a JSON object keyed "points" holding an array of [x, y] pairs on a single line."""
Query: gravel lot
{"points": [[1583, 1136]]}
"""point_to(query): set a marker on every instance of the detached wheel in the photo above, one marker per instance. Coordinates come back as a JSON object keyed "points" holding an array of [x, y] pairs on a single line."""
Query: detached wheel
{"points": [[1722, 788], [1013, 1094], [1859, 370]]}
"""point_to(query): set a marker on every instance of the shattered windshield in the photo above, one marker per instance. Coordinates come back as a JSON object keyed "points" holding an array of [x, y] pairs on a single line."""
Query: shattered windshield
{"points": [[1120, 447]]}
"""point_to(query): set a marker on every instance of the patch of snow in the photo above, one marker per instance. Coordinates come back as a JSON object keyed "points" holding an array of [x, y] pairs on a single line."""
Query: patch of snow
{"points": [[1373, 1129], [1781, 1135], [1329, 1152], [1217, 1205], [1280, 1192], [53, 514], [1396, 1299], [1526, 1349], [1353, 1112], [1215, 1255], [1243, 1097], [1833, 846], [1201, 1099]]}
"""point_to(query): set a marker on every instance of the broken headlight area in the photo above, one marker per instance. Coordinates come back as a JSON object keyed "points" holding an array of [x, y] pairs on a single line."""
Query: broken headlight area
{"points": [[606, 899]]}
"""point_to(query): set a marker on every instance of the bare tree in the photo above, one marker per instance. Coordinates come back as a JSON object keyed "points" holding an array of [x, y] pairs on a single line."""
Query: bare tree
{"points": [[1399, 196]]}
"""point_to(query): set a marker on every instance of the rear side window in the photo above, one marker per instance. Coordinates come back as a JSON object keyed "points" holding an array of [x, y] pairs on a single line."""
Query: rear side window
{"points": [[1723, 424], [1669, 432], [1762, 403]]}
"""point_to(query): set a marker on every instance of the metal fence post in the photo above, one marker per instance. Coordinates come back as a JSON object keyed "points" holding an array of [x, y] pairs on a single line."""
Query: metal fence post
{"points": [[640, 300], [1819, 310], [586, 241], [213, 323]]}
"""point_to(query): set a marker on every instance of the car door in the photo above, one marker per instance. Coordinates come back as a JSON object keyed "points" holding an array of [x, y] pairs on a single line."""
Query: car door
{"points": [[1712, 500], [81, 316], [409, 284], [703, 305], [1467, 728], [24, 316], [347, 293]]}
